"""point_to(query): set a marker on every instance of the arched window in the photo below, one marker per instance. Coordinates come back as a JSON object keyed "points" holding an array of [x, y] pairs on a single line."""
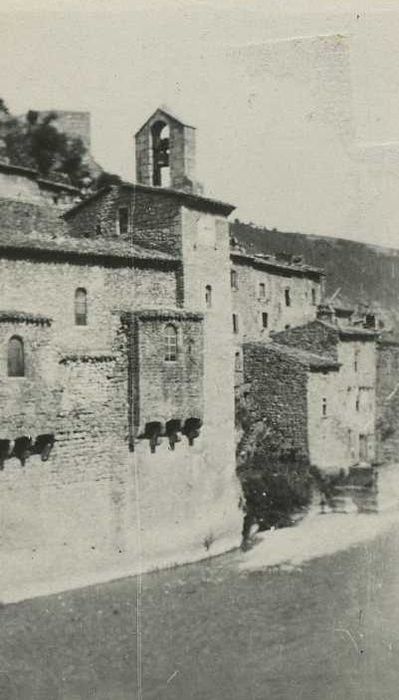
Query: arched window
{"points": [[15, 357], [81, 307], [160, 154], [170, 341], [208, 296]]}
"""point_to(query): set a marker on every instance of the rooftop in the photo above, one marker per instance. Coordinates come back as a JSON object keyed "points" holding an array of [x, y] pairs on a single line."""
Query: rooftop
{"points": [[32, 174], [309, 360], [190, 199], [271, 262], [349, 332], [42, 230]]}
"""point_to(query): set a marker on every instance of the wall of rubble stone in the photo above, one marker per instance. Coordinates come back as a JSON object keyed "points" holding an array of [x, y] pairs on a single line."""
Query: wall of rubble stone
{"points": [[275, 393], [387, 400], [154, 218], [250, 305]]}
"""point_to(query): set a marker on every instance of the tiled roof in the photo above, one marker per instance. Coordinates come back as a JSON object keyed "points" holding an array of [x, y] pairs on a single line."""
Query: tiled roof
{"points": [[196, 201], [351, 331], [31, 173], [34, 228], [270, 262], [310, 360]]}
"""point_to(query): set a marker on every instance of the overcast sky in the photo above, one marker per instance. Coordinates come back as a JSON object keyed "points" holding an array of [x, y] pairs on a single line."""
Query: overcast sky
{"points": [[296, 103]]}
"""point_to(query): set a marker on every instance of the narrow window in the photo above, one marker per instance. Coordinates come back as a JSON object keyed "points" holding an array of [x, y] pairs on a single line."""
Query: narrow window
{"points": [[235, 323], [356, 360], [160, 154], [16, 359], [170, 340], [265, 319], [208, 296], [123, 220], [287, 297], [324, 408], [262, 290], [81, 307], [237, 363], [358, 402], [234, 279], [314, 296]]}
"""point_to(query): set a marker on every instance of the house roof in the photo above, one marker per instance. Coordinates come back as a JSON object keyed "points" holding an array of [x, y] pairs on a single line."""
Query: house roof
{"points": [[33, 174], [195, 201], [308, 360], [30, 230], [270, 262], [350, 332], [164, 109]]}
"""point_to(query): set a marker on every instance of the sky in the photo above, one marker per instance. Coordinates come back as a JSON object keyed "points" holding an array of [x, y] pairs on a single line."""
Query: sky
{"points": [[296, 102]]}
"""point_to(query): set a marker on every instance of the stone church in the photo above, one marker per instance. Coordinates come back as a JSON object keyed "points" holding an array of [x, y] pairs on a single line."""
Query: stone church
{"points": [[126, 319]]}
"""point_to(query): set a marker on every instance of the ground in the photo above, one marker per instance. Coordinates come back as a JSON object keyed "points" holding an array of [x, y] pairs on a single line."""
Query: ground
{"points": [[327, 628]]}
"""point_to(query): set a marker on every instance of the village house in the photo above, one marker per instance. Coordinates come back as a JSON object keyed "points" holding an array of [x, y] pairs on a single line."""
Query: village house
{"points": [[270, 293], [317, 388]]}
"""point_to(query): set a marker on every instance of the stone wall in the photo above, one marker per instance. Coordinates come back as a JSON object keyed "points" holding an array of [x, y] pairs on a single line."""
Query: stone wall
{"points": [[97, 510], [249, 305], [313, 337], [181, 152], [205, 253], [387, 399], [348, 431], [49, 289], [154, 218], [275, 393], [329, 446], [164, 390]]}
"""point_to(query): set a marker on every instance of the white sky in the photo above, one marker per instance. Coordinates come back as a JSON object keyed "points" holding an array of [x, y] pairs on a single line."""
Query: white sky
{"points": [[301, 133]]}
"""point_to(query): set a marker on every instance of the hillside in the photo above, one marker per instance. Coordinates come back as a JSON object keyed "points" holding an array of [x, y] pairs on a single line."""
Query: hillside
{"points": [[365, 274]]}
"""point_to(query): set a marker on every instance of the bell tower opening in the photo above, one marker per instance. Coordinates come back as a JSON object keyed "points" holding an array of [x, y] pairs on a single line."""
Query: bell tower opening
{"points": [[160, 138], [165, 153]]}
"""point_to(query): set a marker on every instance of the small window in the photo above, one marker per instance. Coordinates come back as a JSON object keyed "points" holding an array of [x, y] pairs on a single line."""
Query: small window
{"points": [[123, 220], [234, 279], [265, 319], [16, 357], [314, 298], [237, 362], [235, 323], [208, 296], [262, 290], [356, 360], [287, 297], [324, 408], [170, 339], [358, 403], [81, 307]]}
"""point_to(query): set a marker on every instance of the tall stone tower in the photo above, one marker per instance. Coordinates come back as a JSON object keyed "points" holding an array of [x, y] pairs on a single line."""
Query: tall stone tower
{"points": [[196, 229], [165, 152]]}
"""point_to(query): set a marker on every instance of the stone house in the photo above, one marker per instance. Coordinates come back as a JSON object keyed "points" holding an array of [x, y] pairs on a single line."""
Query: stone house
{"points": [[330, 380], [116, 373], [270, 293]]}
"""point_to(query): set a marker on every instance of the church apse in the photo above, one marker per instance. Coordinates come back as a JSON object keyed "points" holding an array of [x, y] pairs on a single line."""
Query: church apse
{"points": [[165, 384]]}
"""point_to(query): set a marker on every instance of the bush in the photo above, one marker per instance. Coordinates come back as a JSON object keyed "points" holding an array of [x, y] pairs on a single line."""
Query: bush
{"points": [[275, 478]]}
